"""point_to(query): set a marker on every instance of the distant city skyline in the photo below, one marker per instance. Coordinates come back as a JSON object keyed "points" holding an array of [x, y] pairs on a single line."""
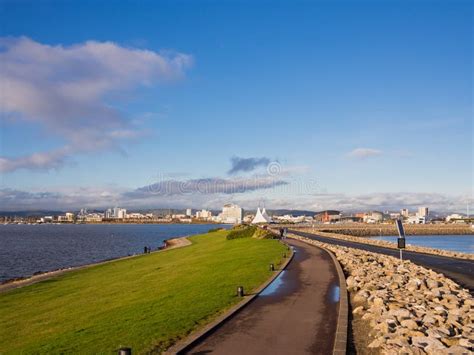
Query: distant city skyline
{"points": [[300, 105]]}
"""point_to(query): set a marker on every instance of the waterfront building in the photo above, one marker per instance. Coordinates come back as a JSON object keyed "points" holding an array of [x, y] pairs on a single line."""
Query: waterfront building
{"points": [[204, 214], [373, 217], [455, 216], [261, 217], [404, 212], [395, 215], [423, 212], [189, 212], [328, 216], [69, 216], [135, 215], [93, 217], [416, 220], [352, 219], [108, 213], [178, 216], [231, 214], [119, 212]]}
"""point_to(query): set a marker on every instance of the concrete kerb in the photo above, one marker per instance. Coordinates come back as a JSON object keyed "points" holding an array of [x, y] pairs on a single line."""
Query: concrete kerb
{"points": [[340, 340], [183, 345]]}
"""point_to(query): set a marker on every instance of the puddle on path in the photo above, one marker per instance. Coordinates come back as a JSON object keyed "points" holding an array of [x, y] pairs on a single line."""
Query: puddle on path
{"points": [[274, 286], [334, 294]]}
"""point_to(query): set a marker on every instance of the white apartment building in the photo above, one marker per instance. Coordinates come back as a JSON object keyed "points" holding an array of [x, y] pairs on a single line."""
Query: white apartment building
{"points": [[120, 212], [189, 212], [422, 212], [416, 220], [404, 212], [204, 214], [454, 216], [135, 215], [231, 214]]}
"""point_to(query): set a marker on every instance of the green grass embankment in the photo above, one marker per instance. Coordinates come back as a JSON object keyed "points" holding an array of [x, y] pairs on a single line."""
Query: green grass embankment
{"points": [[146, 302]]}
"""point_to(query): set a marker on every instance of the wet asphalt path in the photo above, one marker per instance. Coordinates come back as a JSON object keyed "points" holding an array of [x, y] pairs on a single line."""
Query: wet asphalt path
{"points": [[460, 270], [296, 314]]}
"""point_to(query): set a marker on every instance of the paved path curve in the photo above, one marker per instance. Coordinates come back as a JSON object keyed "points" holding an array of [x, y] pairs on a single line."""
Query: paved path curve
{"points": [[296, 314], [460, 270]]}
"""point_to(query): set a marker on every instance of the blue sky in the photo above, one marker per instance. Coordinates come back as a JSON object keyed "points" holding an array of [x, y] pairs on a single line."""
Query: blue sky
{"points": [[360, 104]]}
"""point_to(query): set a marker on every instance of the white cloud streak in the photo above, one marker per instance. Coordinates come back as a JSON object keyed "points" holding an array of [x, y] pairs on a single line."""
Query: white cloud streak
{"points": [[363, 153]]}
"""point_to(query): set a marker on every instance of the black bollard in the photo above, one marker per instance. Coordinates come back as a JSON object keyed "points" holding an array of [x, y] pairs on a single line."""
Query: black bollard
{"points": [[145, 250], [272, 267], [240, 291], [125, 351]]}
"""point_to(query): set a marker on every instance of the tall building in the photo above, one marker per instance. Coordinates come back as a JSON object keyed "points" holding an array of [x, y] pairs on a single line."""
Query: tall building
{"points": [[231, 214], [404, 212], [119, 212], [109, 213], [422, 211], [189, 212]]}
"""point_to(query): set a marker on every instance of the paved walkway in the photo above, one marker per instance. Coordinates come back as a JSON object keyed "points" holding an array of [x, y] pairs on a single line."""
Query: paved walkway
{"points": [[296, 314], [460, 270]]}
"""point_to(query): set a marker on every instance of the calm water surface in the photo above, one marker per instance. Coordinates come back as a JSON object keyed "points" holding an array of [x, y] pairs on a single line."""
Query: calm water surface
{"points": [[459, 243], [26, 249]]}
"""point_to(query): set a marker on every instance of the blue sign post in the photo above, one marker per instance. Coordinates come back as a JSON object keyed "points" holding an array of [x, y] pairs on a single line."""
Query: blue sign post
{"points": [[401, 238]]}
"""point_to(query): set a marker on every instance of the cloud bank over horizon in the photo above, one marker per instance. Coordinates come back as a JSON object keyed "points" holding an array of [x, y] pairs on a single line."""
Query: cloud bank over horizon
{"points": [[72, 93], [194, 195]]}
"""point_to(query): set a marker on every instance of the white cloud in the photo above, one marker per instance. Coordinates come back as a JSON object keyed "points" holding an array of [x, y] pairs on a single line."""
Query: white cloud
{"points": [[70, 92], [362, 153], [207, 186], [37, 161], [103, 197]]}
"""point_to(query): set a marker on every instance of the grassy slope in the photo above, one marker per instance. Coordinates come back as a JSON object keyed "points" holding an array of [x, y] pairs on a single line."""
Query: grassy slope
{"points": [[140, 302]]}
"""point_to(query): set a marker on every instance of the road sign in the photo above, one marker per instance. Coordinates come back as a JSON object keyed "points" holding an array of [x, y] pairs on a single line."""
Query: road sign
{"points": [[401, 240], [401, 231], [401, 243]]}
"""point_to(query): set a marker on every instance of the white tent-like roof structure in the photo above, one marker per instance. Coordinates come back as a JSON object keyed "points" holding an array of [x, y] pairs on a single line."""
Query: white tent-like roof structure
{"points": [[261, 217]]}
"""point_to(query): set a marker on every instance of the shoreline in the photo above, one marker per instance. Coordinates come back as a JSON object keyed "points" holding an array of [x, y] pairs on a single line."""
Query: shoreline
{"points": [[12, 284], [109, 223], [391, 245], [377, 230]]}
